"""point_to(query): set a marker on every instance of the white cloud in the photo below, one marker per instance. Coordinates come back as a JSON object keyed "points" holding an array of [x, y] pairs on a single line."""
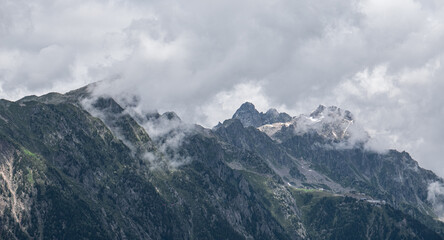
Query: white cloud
{"points": [[435, 195], [379, 59], [223, 105], [402, 109], [368, 84]]}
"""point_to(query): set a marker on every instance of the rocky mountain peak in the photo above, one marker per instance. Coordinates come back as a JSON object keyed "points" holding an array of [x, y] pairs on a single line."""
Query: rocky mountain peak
{"points": [[248, 106], [249, 116], [272, 112], [329, 122], [171, 116], [331, 112], [318, 111], [80, 168]]}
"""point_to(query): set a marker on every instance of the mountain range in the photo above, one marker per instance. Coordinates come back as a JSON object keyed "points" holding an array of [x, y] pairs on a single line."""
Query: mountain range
{"points": [[81, 166]]}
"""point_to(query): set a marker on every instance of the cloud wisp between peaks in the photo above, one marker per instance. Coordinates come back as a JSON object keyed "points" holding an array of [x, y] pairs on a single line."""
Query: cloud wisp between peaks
{"points": [[379, 59]]}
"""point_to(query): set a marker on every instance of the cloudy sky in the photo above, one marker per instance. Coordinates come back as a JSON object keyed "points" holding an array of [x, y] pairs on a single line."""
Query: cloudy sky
{"points": [[379, 59]]}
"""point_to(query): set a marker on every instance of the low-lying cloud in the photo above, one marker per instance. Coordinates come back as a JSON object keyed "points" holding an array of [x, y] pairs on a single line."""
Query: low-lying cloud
{"points": [[435, 196], [169, 133], [166, 131]]}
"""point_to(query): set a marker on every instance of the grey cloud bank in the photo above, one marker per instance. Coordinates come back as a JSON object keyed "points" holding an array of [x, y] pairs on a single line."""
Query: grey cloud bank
{"points": [[379, 59]]}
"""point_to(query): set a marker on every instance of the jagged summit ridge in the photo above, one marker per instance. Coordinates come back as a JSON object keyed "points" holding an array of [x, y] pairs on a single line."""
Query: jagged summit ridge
{"points": [[332, 112], [106, 171], [249, 116], [329, 122], [333, 123]]}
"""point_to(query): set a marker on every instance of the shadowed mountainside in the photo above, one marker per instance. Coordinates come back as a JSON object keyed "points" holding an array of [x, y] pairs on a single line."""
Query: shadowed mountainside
{"points": [[73, 166]]}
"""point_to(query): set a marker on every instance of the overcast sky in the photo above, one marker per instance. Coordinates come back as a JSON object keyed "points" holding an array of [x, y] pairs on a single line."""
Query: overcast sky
{"points": [[379, 59]]}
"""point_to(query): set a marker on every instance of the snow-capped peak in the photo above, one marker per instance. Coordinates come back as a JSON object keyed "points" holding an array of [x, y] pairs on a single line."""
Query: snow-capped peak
{"points": [[331, 112], [330, 122]]}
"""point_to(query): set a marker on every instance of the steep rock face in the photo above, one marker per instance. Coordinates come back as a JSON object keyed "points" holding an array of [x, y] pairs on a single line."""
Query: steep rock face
{"points": [[393, 173], [392, 176], [85, 179], [291, 169], [329, 122], [79, 176], [244, 207], [329, 142], [73, 169], [323, 138], [349, 218], [251, 139]]}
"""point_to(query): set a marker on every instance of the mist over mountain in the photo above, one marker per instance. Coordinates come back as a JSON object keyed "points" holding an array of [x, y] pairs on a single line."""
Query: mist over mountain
{"points": [[381, 60], [84, 166], [249, 116]]}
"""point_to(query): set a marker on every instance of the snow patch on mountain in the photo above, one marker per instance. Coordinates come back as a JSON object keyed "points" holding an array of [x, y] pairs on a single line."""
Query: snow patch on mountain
{"points": [[249, 116], [329, 122], [435, 195]]}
